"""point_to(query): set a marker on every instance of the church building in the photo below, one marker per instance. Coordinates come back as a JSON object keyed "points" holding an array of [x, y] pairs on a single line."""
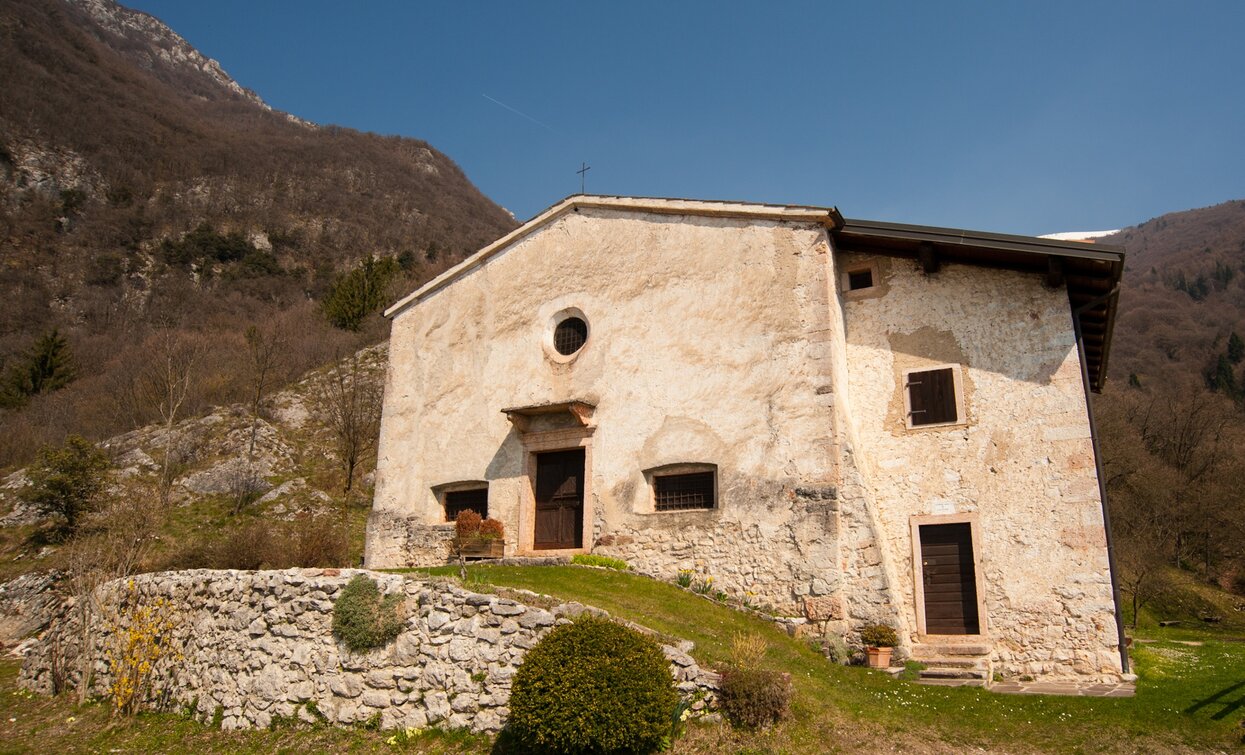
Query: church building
{"points": [[843, 420]]}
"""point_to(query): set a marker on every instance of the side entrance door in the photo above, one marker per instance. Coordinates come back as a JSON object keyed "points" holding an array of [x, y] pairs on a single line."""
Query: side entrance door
{"points": [[559, 499], [949, 579]]}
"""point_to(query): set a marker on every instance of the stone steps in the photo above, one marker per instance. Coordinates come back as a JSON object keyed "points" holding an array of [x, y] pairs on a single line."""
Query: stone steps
{"points": [[954, 664]]}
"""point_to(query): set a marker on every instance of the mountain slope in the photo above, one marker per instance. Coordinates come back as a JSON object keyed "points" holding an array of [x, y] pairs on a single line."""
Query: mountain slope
{"points": [[1172, 419], [1183, 293], [117, 139]]}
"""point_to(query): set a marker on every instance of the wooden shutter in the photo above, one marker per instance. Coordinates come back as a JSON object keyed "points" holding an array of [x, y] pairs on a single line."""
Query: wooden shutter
{"points": [[681, 492], [457, 501], [931, 396]]}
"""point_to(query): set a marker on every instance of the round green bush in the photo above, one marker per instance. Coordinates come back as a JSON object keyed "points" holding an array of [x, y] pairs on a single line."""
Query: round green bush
{"points": [[592, 687], [362, 619]]}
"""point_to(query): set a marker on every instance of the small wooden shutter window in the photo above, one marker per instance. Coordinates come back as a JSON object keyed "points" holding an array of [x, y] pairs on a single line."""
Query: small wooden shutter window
{"points": [[683, 492], [931, 397], [457, 501]]}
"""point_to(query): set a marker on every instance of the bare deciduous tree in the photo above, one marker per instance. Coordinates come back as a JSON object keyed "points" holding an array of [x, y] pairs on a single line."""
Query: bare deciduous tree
{"points": [[348, 401], [266, 350], [164, 384]]}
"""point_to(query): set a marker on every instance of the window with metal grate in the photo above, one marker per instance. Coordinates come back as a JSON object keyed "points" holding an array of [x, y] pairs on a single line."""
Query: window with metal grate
{"points": [[683, 492], [457, 501], [570, 336]]}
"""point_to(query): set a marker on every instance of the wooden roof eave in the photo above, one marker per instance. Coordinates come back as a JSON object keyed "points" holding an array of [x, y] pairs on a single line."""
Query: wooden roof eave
{"points": [[1089, 271]]}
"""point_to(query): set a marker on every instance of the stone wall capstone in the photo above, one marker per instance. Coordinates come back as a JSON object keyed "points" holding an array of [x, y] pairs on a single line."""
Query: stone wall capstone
{"points": [[257, 645]]}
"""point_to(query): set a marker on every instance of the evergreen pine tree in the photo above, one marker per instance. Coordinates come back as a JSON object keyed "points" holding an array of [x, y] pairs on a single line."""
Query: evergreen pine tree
{"points": [[48, 366], [1236, 348]]}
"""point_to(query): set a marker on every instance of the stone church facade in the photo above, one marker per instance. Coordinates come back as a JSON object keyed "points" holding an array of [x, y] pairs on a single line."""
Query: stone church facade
{"points": [[843, 420]]}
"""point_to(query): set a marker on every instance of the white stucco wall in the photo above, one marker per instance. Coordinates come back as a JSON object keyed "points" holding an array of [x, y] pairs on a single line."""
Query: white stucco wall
{"points": [[708, 344], [1022, 463]]}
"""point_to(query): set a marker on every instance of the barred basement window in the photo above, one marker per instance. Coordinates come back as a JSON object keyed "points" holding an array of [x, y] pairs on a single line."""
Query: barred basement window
{"points": [[458, 501], [933, 398], [685, 492], [570, 336]]}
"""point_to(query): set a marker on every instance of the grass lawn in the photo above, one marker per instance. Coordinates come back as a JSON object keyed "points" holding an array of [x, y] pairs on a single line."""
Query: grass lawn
{"points": [[1188, 697], [1191, 697]]}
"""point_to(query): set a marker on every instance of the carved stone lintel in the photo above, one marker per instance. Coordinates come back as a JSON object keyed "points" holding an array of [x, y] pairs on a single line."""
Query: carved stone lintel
{"points": [[521, 417]]}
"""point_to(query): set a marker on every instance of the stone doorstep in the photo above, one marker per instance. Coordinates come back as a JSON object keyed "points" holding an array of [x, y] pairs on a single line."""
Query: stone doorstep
{"points": [[934, 650], [1075, 689]]}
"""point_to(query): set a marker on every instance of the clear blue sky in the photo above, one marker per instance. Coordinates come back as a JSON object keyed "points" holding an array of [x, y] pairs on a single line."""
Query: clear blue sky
{"points": [[1006, 116]]}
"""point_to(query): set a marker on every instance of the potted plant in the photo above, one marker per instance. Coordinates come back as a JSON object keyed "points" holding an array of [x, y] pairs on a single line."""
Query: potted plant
{"points": [[478, 538], [879, 641]]}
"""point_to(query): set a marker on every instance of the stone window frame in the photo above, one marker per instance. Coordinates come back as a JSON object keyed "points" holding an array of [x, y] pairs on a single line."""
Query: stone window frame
{"points": [[957, 380], [555, 320], [918, 582], [440, 491], [671, 470], [868, 292]]}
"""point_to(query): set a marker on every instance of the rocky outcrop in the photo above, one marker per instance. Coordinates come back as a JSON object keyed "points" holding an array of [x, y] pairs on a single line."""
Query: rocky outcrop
{"points": [[258, 645], [27, 605]]}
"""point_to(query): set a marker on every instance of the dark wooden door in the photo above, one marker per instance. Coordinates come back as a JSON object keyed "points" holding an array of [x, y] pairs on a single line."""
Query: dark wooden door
{"points": [[949, 579], [560, 499]]}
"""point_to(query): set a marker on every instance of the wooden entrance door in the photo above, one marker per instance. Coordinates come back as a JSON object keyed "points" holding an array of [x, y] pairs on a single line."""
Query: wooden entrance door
{"points": [[560, 500], [949, 579]]}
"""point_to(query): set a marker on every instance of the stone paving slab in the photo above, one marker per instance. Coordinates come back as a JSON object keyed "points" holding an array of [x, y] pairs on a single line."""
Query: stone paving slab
{"points": [[1076, 689]]}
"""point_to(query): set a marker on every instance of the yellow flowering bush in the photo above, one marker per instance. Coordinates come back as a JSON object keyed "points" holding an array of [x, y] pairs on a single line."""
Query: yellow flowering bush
{"points": [[140, 644]]}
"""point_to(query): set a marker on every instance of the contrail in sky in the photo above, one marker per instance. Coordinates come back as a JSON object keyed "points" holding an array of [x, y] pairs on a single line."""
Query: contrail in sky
{"points": [[518, 112]]}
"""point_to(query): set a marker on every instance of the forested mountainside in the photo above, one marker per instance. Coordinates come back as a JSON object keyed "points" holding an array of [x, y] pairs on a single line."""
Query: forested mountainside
{"points": [[148, 202], [1172, 418]]}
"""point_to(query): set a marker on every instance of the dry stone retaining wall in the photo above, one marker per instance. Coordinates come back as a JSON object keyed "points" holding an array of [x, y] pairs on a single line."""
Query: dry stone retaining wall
{"points": [[258, 645]]}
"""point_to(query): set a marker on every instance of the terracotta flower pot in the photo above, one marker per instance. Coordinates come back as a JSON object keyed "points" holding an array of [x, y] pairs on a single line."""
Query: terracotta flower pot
{"points": [[879, 657]]}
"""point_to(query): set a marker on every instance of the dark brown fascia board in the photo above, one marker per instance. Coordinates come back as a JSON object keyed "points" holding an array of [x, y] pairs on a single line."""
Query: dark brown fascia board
{"points": [[878, 230]]}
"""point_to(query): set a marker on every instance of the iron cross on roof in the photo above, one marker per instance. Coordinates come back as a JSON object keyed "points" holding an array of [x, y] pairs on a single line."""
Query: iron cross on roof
{"points": [[586, 167]]}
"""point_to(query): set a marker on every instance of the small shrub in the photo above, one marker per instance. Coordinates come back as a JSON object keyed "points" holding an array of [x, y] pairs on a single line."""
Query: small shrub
{"points": [[593, 686], [492, 529], [748, 650], [836, 650], [592, 559], [363, 620], [316, 541], [879, 636], [467, 524], [752, 698]]}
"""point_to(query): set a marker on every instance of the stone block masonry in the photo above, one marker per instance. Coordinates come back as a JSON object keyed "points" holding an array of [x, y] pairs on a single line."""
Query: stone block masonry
{"points": [[258, 645]]}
